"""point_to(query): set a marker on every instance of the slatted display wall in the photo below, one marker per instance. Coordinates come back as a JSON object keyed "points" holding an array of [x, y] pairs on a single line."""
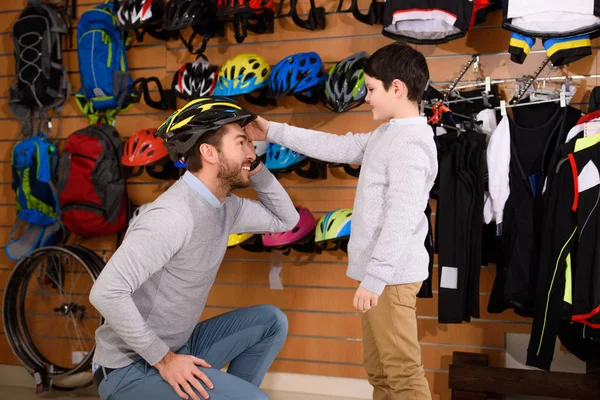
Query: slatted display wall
{"points": [[324, 330]]}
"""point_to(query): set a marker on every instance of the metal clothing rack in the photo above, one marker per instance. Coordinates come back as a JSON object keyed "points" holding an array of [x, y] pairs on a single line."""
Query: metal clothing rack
{"points": [[474, 60], [538, 79]]}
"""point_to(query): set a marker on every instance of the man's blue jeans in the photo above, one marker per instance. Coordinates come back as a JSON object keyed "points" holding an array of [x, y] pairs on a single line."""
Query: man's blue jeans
{"points": [[247, 339]]}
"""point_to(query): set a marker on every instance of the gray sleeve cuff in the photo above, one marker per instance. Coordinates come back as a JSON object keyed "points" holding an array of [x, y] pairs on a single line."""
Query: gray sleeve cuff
{"points": [[263, 179], [373, 284], [155, 352]]}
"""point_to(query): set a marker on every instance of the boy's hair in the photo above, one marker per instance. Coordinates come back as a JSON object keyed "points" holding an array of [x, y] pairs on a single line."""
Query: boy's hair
{"points": [[194, 158], [402, 62]]}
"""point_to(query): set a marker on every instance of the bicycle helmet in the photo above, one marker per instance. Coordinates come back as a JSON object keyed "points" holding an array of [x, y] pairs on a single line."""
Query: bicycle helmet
{"points": [[304, 227], [297, 73], [237, 238], [185, 126], [198, 14], [194, 80], [143, 149], [133, 14], [254, 15], [345, 89], [334, 227], [282, 158], [181, 14], [242, 74]]}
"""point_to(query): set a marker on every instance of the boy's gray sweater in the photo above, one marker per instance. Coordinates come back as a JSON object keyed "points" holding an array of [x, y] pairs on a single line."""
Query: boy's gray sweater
{"points": [[399, 166]]}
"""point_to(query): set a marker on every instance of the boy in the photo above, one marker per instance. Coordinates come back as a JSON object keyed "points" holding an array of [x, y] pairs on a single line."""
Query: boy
{"points": [[386, 252]]}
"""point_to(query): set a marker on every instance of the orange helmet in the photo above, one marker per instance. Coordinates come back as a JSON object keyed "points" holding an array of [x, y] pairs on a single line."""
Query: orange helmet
{"points": [[143, 148]]}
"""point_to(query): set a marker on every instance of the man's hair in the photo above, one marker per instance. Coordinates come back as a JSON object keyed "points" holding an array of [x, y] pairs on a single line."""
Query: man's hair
{"points": [[402, 62], [194, 158]]}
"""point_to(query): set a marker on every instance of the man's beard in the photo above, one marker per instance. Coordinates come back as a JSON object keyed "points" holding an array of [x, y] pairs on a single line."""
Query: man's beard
{"points": [[230, 175]]}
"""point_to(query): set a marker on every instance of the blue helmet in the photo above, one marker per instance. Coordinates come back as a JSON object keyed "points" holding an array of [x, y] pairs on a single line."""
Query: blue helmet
{"points": [[295, 74], [282, 158]]}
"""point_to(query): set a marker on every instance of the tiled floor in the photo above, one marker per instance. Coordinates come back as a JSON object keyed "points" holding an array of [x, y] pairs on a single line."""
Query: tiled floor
{"points": [[17, 393]]}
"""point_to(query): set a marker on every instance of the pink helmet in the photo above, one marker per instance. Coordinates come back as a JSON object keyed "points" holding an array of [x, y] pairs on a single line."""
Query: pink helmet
{"points": [[304, 227]]}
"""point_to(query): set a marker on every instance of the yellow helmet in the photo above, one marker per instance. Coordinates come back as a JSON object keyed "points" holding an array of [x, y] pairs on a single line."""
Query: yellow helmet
{"points": [[242, 74], [237, 238]]}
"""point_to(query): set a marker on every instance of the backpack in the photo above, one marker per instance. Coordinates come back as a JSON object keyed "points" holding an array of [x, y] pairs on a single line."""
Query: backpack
{"points": [[105, 79], [41, 83], [33, 164], [91, 182]]}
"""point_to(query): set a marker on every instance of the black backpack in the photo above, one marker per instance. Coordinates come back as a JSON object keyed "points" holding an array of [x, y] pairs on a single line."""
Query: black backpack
{"points": [[41, 83]]}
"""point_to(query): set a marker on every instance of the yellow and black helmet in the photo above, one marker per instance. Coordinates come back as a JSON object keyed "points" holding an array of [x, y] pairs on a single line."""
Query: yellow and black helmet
{"points": [[185, 126]]}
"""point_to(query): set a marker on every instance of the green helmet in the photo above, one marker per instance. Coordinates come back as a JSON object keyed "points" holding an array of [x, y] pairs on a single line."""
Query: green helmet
{"points": [[334, 225]]}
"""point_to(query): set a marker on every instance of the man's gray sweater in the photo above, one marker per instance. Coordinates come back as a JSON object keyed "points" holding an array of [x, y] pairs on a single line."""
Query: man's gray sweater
{"points": [[399, 166], [154, 288]]}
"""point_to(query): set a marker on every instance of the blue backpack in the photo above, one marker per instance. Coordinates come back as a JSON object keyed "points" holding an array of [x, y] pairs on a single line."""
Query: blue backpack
{"points": [[105, 80], [33, 163]]}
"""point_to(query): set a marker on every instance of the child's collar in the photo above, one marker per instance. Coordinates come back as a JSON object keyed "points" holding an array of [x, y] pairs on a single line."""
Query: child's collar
{"points": [[409, 121]]}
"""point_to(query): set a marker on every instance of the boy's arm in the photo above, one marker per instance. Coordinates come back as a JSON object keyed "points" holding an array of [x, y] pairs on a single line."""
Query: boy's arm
{"points": [[152, 240], [408, 168], [274, 212], [347, 149]]}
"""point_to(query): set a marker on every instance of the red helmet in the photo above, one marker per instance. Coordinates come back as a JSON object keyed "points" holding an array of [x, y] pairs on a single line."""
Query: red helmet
{"points": [[143, 148]]}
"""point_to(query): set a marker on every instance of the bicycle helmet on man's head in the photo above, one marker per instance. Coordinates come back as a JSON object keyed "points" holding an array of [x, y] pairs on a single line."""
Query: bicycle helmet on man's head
{"points": [[242, 74], [345, 89], [185, 126]]}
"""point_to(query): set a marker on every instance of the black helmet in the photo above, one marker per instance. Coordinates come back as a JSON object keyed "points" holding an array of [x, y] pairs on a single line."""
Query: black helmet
{"points": [[133, 14], [181, 14], [195, 80], [182, 129]]}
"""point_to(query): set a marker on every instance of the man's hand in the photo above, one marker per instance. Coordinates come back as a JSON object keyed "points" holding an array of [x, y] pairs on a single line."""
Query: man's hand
{"points": [[257, 129], [181, 373], [364, 300]]}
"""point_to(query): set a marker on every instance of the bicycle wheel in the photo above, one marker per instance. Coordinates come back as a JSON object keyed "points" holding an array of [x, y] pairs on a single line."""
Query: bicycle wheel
{"points": [[48, 319]]}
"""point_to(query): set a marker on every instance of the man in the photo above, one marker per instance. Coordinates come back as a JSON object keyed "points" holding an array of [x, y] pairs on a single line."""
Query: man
{"points": [[153, 290]]}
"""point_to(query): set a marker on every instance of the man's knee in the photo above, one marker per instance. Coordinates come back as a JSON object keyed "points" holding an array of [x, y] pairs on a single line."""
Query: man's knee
{"points": [[277, 317]]}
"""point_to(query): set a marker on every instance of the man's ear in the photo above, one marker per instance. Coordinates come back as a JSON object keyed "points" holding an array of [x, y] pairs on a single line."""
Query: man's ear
{"points": [[209, 153]]}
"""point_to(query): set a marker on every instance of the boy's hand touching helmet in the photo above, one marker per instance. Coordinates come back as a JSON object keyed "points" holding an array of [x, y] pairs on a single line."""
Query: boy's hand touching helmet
{"points": [[257, 129]]}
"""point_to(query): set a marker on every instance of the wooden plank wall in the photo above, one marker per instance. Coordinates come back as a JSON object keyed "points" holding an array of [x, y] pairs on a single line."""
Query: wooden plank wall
{"points": [[324, 330]]}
